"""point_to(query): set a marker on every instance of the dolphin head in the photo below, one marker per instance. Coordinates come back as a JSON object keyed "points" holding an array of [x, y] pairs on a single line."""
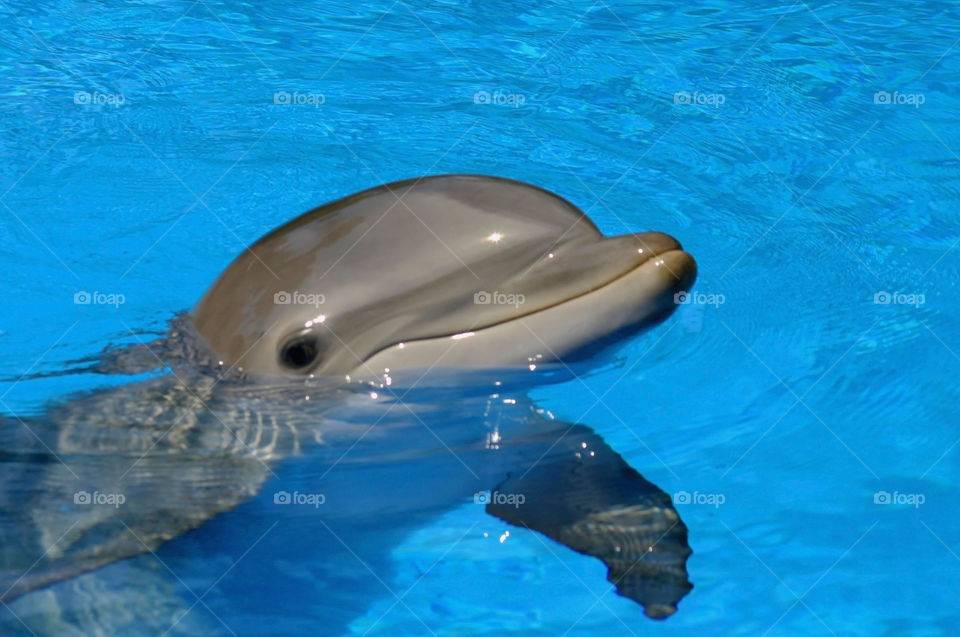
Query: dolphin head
{"points": [[450, 270]]}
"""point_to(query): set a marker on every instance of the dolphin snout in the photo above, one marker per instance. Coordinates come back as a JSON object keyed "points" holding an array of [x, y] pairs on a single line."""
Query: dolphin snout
{"points": [[669, 270], [681, 267], [655, 243]]}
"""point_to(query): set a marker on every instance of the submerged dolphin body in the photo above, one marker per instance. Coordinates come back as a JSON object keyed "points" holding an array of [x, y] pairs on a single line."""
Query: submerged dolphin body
{"points": [[446, 272]]}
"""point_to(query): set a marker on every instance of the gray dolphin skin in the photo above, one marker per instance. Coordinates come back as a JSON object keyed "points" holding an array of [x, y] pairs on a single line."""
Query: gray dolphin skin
{"points": [[452, 270], [468, 280]]}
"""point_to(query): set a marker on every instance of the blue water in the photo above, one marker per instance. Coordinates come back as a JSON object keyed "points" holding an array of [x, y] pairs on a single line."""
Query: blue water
{"points": [[757, 135]]}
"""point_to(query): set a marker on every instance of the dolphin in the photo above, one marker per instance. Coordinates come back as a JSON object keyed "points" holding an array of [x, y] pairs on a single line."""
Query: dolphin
{"points": [[442, 277]]}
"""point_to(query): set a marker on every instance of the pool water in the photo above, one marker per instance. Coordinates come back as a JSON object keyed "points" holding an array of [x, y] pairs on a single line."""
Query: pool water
{"points": [[801, 405]]}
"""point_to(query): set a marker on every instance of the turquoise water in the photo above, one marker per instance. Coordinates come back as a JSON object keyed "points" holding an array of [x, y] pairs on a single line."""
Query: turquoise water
{"points": [[143, 147]]}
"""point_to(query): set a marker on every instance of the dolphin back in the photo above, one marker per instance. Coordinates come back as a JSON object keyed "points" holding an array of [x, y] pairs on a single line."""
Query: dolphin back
{"points": [[117, 473]]}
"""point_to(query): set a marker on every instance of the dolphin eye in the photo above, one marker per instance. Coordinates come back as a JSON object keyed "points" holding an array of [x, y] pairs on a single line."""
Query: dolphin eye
{"points": [[300, 352]]}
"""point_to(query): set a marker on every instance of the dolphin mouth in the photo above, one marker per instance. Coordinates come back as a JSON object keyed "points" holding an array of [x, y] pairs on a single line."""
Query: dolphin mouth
{"points": [[597, 294], [598, 268], [674, 269], [659, 255]]}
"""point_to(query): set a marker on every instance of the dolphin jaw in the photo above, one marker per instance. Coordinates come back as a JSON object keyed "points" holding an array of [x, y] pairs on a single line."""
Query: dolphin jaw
{"points": [[562, 332]]}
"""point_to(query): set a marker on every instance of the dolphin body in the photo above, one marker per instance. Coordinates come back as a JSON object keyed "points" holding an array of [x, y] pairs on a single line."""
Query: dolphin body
{"points": [[446, 280]]}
